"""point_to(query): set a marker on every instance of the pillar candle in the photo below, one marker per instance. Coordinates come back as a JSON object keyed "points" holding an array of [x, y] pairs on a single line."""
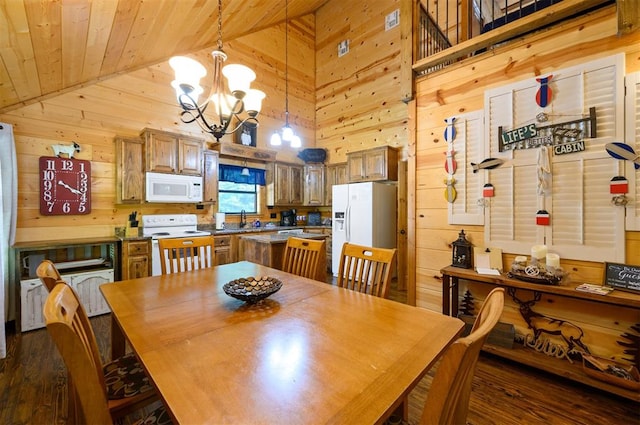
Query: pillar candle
{"points": [[553, 260], [538, 252]]}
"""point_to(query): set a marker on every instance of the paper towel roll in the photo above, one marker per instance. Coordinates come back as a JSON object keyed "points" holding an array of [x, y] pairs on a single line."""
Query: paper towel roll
{"points": [[220, 217]]}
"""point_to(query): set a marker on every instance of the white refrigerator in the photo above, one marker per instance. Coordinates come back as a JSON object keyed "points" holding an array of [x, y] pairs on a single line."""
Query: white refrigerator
{"points": [[363, 214]]}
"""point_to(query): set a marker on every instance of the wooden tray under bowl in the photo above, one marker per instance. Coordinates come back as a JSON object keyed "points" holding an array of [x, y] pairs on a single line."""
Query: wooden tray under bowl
{"points": [[602, 369]]}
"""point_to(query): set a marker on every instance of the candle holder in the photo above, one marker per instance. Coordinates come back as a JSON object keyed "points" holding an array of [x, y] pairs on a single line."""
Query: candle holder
{"points": [[461, 252]]}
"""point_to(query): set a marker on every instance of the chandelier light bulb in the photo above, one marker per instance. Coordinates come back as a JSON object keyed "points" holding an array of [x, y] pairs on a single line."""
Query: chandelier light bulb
{"points": [[276, 140], [296, 142], [287, 133], [253, 101], [239, 78]]}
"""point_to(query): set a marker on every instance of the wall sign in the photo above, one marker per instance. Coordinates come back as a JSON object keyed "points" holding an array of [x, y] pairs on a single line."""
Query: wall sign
{"points": [[622, 276]]}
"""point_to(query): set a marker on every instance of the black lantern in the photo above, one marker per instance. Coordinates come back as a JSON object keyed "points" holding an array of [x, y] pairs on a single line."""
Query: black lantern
{"points": [[461, 252]]}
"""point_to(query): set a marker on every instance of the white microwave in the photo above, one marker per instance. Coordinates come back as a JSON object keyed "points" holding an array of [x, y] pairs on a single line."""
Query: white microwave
{"points": [[173, 188]]}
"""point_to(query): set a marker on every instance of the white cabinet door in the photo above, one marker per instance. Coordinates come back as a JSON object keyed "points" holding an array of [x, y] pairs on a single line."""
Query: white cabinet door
{"points": [[32, 297], [87, 286]]}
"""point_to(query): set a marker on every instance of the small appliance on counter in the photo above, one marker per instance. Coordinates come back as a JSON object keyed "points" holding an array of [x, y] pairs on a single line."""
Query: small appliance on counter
{"points": [[220, 218], [288, 218]]}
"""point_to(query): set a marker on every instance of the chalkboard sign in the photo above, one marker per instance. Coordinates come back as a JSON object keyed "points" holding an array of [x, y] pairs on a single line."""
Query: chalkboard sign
{"points": [[622, 276]]}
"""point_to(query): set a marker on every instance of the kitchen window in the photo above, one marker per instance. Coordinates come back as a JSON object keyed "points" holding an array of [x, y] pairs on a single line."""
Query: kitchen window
{"points": [[238, 188], [235, 197]]}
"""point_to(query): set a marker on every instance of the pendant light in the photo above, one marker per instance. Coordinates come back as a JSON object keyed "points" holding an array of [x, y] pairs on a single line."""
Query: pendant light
{"points": [[287, 132], [188, 73]]}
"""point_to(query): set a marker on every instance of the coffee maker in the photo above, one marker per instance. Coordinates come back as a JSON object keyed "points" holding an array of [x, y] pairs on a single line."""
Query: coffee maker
{"points": [[288, 218]]}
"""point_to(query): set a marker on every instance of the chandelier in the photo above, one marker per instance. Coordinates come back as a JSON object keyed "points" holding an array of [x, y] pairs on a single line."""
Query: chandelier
{"points": [[188, 73], [287, 132]]}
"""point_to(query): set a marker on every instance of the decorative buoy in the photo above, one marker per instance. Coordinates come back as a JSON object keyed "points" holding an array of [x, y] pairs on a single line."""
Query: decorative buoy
{"points": [[543, 95], [543, 218]]}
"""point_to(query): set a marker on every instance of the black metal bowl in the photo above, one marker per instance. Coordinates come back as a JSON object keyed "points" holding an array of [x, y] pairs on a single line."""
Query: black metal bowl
{"points": [[252, 289]]}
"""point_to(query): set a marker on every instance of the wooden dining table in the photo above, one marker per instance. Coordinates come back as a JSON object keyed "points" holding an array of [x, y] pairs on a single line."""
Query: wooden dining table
{"points": [[311, 353]]}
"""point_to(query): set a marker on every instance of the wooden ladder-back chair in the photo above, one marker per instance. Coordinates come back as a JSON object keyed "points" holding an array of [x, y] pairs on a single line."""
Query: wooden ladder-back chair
{"points": [[306, 258], [448, 396], [366, 269], [48, 274], [182, 254], [125, 383], [71, 331]]}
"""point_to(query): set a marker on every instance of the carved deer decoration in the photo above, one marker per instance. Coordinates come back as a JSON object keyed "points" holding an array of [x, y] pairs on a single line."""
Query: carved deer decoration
{"points": [[540, 324]]}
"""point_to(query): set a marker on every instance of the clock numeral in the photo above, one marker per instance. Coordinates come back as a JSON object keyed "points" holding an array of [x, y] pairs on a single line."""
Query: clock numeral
{"points": [[82, 207], [66, 207], [48, 175], [50, 206], [51, 165], [67, 165]]}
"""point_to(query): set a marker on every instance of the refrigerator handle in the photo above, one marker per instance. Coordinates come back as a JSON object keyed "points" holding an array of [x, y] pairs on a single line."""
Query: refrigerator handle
{"points": [[347, 221]]}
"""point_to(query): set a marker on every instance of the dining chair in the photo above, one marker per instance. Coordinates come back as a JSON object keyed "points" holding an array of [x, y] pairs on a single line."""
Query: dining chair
{"points": [[306, 258], [125, 383], [448, 396], [366, 269], [48, 274], [182, 254]]}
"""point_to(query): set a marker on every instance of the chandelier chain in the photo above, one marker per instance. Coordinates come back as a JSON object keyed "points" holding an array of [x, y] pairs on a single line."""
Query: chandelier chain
{"points": [[219, 24], [286, 61]]}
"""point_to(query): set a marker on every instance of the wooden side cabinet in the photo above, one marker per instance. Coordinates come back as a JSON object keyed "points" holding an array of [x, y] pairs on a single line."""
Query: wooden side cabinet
{"points": [[172, 153], [377, 164], [222, 248], [335, 174], [314, 185], [210, 162], [129, 171], [136, 259]]}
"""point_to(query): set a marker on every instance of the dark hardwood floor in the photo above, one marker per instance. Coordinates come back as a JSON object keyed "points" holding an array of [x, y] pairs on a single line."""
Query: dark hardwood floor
{"points": [[33, 388]]}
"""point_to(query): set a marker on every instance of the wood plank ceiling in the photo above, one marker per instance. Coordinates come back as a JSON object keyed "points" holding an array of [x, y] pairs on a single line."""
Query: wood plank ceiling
{"points": [[50, 46]]}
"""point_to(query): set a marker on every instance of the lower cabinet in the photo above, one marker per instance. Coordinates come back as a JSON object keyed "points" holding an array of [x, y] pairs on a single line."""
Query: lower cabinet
{"points": [[136, 259], [86, 284], [222, 248]]}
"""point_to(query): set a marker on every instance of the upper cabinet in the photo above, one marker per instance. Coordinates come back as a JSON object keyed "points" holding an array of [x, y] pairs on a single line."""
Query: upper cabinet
{"points": [[377, 164], [284, 184], [172, 153], [314, 184], [130, 173], [335, 174], [210, 175]]}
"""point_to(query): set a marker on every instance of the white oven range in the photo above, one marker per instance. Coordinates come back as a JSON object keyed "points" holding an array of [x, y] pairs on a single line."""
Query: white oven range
{"points": [[159, 226]]}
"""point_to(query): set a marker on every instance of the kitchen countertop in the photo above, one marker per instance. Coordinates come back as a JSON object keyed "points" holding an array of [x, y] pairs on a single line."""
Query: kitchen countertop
{"points": [[282, 237], [237, 230]]}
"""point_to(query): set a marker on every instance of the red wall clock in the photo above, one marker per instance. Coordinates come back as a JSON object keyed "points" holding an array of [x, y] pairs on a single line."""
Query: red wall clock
{"points": [[65, 186]]}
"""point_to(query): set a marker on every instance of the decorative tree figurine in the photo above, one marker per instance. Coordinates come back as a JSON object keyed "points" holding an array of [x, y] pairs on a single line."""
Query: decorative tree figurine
{"points": [[466, 306]]}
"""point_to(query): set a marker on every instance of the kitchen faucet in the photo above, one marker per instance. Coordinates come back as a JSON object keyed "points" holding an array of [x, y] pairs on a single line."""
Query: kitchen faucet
{"points": [[243, 218]]}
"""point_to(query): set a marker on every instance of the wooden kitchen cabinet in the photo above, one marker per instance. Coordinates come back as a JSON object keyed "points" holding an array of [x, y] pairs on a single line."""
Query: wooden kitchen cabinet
{"points": [[285, 184], [136, 259], [210, 173], [172, 153], [377, 164], [222, 249], [314, 184], [129, 171], [335, 174]]}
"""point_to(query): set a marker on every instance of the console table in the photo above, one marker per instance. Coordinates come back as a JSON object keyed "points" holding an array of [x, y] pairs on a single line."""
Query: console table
{"points": [[451, 277]]}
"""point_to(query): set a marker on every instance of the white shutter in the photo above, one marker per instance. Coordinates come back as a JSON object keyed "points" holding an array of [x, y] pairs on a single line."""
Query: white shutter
{"points": [[469, 147], [632, 138], [584, 223]]}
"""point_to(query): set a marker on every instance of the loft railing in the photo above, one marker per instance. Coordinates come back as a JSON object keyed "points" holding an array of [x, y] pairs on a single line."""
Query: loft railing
{"points": [[456, 29]]}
